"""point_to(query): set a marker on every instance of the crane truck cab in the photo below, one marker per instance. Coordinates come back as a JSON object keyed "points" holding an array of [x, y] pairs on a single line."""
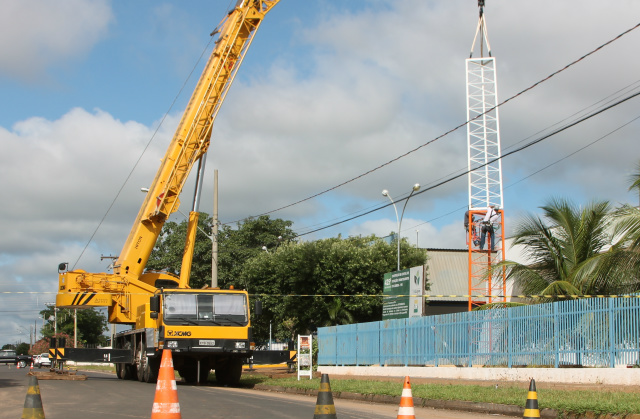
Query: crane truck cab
{"points": [[205, 329]]}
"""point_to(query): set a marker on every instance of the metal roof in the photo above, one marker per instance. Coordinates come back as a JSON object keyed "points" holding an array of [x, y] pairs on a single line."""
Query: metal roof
{"points": [[448, 273]]}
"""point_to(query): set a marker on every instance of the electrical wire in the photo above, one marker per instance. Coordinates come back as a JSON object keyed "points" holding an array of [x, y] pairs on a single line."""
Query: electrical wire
{"points": [[555, 73], [175, 99], [517, 150], [354, 178]]}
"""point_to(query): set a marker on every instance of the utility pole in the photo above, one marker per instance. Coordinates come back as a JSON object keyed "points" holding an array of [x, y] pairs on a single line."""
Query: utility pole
{"points": [[214, 233]]}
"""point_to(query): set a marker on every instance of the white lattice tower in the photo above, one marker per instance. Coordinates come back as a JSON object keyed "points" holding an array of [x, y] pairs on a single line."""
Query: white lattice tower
{"points": [[485, 169]]}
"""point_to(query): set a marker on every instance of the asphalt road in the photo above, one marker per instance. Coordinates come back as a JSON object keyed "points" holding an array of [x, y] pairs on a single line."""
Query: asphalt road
{"points": [[102, 395]]}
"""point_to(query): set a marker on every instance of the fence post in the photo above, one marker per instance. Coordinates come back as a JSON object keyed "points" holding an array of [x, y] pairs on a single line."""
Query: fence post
{"points": [[556, 338], [509, 343], [612, 334], [406, 342], [379, 344]]}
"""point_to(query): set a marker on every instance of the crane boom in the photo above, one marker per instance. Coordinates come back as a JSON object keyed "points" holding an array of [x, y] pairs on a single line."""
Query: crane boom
{"points": [[128, 287], [193, 134]]}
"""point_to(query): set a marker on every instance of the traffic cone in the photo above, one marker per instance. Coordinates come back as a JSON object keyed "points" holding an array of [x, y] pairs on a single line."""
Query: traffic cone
{"points": [[325, 409], [165, 403], [531, 408], [33, 402], [406, 402]]}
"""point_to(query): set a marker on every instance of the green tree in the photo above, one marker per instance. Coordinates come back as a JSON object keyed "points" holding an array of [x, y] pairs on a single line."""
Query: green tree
{"points": [[252, 237], [565, 251], [338, 314], [235, 246], [22, 348], [91, 324], [635, 179], [622, 261], [168, 251], [42, 346], [299, 283]]}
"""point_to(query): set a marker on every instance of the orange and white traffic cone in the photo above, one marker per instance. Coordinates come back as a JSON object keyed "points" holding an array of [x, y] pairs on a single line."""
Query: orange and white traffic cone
{"points": [[406, 402], [165, 403]]}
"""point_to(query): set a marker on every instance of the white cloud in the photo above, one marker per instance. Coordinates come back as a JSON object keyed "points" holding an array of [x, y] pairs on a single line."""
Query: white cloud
{"points": [[37, 34]]}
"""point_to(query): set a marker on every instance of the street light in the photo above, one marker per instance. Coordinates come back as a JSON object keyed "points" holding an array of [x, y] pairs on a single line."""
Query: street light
{"points": [[385, 192]]}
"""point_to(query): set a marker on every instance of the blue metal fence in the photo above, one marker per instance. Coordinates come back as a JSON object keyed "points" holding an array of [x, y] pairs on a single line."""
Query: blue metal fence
{"points": [[599, 332]]}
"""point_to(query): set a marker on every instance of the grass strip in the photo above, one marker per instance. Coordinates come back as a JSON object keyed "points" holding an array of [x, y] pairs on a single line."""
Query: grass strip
{"points": [[576, 402]]}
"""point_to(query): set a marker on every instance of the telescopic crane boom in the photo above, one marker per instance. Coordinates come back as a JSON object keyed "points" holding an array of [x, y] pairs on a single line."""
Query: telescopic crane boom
{"points": [[206, 329], [120, 290]]}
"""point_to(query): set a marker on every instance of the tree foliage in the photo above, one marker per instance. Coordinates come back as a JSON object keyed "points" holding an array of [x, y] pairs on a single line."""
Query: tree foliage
{"points": [[572, 251], [251, 238], [300, 282], [22, 348], [261, 255], [235, 246], [168, 251], [42, 346], [91, 324]]}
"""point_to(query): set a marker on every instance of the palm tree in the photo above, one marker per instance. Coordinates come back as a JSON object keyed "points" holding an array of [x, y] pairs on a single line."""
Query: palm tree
{"points": [[338, 314], [624, 262], [635, 179], [563, 251]]}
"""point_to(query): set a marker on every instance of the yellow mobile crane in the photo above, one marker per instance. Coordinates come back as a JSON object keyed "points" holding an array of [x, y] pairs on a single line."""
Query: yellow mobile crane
{"points": [[205, 328]]}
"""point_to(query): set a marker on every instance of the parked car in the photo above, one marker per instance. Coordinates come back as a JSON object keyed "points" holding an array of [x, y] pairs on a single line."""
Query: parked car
{"points": [[42, 360], [9, 356]]}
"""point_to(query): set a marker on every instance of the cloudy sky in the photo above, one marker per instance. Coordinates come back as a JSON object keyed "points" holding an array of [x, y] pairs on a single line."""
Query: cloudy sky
{"points": [[331, 92]]}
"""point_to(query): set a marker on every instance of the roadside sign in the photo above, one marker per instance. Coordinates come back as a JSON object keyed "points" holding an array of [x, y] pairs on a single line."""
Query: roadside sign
{"points": [[405, 289], [305, 360]]}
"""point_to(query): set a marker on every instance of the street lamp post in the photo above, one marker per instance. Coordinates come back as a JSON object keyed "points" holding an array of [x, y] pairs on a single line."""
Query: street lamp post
{"points": [[385, 192]]}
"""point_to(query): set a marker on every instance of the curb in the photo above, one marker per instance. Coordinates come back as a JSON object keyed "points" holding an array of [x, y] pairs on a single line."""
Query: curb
{"points": [[489, 408]]}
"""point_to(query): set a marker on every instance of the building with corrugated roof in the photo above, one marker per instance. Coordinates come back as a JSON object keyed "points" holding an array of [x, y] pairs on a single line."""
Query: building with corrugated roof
{"points": [[447, 274]]}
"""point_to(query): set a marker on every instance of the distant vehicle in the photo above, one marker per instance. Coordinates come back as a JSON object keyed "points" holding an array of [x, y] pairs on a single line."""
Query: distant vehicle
{"points": [[9, 356], [42, 360]]}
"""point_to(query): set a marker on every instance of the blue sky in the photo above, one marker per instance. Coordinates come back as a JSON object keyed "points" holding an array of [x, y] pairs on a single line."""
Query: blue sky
{"points": [[329, 90]]}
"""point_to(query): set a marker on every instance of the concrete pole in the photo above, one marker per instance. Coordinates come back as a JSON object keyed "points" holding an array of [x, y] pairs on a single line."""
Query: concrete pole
{"points": [[214, 233]]}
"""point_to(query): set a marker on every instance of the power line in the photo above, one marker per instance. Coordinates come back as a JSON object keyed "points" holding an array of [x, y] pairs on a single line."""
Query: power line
{"points": [[153, 136], [517, 150], [555, 73]]}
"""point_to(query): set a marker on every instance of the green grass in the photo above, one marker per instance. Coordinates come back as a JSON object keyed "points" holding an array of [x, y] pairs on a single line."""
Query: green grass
{"points": [[576, 402], [103, 368]]}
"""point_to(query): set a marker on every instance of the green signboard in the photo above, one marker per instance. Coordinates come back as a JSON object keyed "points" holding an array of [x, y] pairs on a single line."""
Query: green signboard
{"points": [[405, 290]]}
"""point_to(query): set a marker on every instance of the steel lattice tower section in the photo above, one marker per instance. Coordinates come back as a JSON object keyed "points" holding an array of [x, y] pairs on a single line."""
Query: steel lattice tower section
{"points": [[485, 172]]}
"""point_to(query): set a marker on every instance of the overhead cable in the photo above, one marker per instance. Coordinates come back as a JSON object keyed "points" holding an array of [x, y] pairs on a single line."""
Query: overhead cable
{"points": [[529, 144], [555, 73]]}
